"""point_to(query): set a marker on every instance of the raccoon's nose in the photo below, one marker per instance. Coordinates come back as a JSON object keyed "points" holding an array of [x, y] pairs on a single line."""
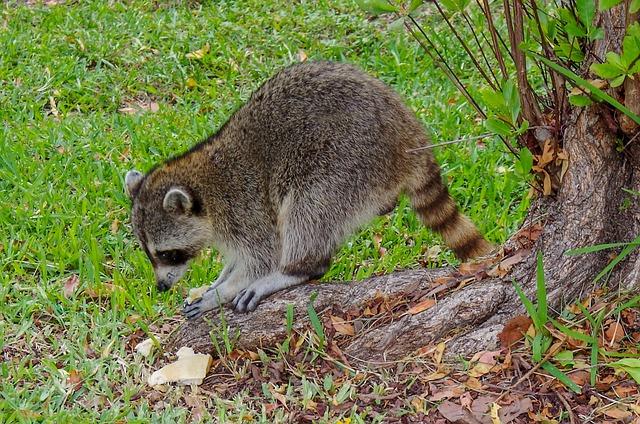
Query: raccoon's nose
{"points": [[163, 285]]}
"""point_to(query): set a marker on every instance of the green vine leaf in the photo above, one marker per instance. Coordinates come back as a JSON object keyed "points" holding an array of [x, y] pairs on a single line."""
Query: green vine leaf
{"points": [[608, 4], [605, 70]]}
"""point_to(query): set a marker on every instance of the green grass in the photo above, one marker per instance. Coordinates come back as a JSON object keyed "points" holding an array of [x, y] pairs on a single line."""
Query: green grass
{"points": [[65, 71]]}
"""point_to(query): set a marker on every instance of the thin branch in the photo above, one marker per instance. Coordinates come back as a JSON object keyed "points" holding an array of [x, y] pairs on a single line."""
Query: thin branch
{"points": [[465, 47], [494, 37], [559, 90], [530, 107], [441, 62], [480, 46], [458, 140]]}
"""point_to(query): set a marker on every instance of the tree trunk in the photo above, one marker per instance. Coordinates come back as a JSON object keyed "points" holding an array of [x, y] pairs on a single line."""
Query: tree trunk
{"points": [[472, 305]]}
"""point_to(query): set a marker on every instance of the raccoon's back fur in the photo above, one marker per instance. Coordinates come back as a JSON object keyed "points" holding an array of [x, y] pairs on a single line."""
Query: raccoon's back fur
{"points": [[320, 149]]}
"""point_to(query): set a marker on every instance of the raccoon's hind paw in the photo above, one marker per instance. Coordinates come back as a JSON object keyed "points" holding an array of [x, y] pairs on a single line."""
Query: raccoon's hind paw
{"points": [[247, 300]]}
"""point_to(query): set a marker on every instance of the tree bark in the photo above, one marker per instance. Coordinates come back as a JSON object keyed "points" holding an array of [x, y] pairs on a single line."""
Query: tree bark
{"points": [[589, 208]]}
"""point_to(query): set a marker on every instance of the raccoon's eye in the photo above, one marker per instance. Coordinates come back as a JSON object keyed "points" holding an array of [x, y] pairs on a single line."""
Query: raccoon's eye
{"points": [[173, 257]]}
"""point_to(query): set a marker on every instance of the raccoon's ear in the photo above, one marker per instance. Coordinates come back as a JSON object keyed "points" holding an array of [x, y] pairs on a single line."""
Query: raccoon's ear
{"points": [[132, 180], [177, 201]]}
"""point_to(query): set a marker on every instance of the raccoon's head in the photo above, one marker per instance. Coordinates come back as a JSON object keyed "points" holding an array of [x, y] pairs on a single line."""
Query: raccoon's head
{"points": [[170, 225]]}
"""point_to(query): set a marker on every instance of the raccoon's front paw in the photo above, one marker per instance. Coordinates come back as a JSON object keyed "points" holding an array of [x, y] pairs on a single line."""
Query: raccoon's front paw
{"points": [[247, 300], [207, 302]]}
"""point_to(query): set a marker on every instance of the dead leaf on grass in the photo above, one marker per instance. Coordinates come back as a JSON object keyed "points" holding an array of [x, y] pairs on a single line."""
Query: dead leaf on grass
{"points": [[514, 330], [191, 83], [139, 106], [200, 53], [105, 289], [70, 285], [115, 225]]}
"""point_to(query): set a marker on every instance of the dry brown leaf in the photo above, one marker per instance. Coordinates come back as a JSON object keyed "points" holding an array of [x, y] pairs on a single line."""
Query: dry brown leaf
{"points": [[53, 107], [70, 285], [481, 407], [617, 413], [200, 53], [548, 154], [579, 377], [508, 263], [422, 306], [509, 413], [598, 83], [514, 330], [418, 404], [132, 319], [277, 395], [342, 327], [115, 224], [486, 361], [442, 280], [547, 184], [144, 347], [614, 333], [105, 289], [473, 383], [302, 56], [435, 375], [438, 353], [128, 110], [74, 377], [452, 411], [466, 400], [433, 253], [495, 417], [471, 268]]}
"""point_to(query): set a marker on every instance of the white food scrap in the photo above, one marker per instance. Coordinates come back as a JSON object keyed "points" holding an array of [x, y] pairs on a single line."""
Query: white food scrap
{"points": [[195, 294], [190, 368]]}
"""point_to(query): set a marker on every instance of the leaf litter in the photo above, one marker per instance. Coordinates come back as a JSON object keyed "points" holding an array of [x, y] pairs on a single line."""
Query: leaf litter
{"points": [[297, 382]]}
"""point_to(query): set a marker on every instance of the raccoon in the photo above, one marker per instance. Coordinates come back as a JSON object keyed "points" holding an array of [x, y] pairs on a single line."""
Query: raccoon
{"points": [[319, 149]]}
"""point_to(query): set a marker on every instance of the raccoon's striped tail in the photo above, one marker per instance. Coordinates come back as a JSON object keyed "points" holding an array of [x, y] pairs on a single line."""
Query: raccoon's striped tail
{"points": [[438, 211]]}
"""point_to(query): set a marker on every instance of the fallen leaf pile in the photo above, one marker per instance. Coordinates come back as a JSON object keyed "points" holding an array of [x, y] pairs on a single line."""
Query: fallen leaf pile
{"points": [[500, 386]]}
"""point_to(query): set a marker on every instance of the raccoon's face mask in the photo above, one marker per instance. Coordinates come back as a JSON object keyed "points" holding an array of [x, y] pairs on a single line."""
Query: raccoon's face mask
{"points": [[169, 226]]}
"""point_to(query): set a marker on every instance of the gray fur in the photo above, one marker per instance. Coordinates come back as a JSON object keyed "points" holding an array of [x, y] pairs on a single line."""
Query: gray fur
{"points": [[319, 150]]}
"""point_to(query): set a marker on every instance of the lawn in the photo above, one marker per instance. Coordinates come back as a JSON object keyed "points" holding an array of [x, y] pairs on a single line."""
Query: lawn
{"points": [[92, 89]]}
